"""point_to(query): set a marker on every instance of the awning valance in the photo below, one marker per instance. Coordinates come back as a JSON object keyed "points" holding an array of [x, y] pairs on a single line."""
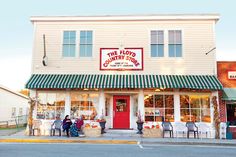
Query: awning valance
{"points": [[229, 94], [72, 81]]}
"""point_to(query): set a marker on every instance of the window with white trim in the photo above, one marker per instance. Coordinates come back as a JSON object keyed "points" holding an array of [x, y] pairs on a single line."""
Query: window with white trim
{"points": [[195, 108], [159, 107], [157, 43], [13, 112], [86, 43], [69, 43], [175, 43]]}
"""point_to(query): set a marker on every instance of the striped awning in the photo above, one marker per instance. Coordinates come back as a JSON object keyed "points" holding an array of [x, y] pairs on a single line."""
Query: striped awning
{"points": [[73, 81]]}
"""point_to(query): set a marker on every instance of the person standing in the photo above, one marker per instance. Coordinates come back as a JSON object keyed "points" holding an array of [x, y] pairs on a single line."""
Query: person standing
{"points": [[66, 125]]}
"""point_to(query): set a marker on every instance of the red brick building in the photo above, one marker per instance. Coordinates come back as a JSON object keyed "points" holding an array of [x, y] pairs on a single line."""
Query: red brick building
{"points": [[226, 73]]}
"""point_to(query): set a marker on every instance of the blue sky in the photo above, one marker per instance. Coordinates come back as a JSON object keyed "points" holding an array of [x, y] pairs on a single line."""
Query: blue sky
{"points": [[17, 33]]}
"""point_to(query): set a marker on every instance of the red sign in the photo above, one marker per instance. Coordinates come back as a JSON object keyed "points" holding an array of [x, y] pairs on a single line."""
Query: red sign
{"points": [[121, 59]]}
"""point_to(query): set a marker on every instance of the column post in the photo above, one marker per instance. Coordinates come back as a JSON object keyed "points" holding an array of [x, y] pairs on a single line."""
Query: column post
{"points": [[101, 103], [67, 103], [141, 103], [177, 105]]}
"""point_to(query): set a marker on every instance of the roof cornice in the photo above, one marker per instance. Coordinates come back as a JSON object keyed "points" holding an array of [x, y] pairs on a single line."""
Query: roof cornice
{"points": [[151, 17]]}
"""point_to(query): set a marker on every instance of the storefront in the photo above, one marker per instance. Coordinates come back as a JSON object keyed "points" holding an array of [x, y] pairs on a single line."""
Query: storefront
{"points": [[120, 66], [227, 76]]}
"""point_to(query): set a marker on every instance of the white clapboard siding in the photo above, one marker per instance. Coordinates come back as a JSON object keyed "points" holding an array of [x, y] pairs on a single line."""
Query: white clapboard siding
{"points": [[198, 37]]}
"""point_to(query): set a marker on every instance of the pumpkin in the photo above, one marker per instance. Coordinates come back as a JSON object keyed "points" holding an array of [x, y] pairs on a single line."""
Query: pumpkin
{"points": [[146, 127], [87, 125]]}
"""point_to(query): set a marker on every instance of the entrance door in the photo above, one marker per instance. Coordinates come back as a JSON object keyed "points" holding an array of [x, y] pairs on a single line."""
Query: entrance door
{"points": [[231, 114], [121, 112]]}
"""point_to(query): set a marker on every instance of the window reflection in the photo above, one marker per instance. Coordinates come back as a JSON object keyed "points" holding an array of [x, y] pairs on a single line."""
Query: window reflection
{"points": [[195, 108], [121, 105], [83, 104], [162, 110], [50, 105]]}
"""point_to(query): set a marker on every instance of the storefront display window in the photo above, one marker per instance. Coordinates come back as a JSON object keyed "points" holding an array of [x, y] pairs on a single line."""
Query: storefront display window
{"points": [[50, 105], [195, 108], [84, 104], [159, 108]]}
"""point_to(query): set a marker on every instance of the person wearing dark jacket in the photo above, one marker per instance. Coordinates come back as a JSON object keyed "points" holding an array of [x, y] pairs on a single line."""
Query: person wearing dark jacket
{"points": [[75, 129], [66, 125]]}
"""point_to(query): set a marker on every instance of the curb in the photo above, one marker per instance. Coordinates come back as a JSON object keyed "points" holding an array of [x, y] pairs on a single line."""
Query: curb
{"points": [[191, 143], [67, 141]]}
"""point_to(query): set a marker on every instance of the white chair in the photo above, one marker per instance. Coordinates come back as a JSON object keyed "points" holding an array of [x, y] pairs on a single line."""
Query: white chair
{"points": [[37, 126], [204, 129], [47, 125], [179, 127]]}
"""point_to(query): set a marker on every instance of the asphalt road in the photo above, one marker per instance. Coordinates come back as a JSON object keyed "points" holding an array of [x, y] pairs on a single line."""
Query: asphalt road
{"points": [[98, 150]]}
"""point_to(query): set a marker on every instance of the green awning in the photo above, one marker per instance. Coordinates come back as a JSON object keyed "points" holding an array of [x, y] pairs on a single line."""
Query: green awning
{"points": [[72, 81], [229, 94]]}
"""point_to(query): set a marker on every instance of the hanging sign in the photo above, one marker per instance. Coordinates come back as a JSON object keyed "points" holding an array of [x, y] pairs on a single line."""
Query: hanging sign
{"points": [[121, 59], [232, 75]]}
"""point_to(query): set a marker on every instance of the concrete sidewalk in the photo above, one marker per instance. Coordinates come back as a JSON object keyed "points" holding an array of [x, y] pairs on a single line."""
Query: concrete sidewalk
{"points": [[10, 131], [110, 138]]}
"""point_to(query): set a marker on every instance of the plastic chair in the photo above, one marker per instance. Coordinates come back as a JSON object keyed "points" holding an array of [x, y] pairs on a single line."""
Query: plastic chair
{"points": [[204, 129], [180, 128], [167, 126], [191, 126], [36, 126], [56, 126]]}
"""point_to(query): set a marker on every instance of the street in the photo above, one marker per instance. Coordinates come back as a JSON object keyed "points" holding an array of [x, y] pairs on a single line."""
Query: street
{"points": [[100, 150]]}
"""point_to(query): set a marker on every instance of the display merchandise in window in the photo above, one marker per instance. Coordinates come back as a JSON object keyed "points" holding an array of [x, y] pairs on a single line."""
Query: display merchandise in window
{"points": [[195, 108], [50, 105], [159, 108], [85, 105]]}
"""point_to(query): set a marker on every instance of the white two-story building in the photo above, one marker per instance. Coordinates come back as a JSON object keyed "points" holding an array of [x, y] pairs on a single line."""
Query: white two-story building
{"points": [[119, 66]]}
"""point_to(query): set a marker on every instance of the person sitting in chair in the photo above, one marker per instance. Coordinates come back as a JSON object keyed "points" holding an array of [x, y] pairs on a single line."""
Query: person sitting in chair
{"points": [[66, 125], [56, 125], [75, 129]]}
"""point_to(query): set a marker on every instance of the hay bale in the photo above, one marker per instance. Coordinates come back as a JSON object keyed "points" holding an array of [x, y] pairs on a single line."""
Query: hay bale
{"points": [[152, 132]]}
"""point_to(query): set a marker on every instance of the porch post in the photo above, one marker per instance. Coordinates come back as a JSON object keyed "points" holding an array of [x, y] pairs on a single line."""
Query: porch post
{"points": [[141, 103], [177, 105], [33, 94], [67, 103], [101, 103]]}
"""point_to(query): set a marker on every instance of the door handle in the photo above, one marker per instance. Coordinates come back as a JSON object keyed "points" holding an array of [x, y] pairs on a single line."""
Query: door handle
{"points": [[114, 113]]}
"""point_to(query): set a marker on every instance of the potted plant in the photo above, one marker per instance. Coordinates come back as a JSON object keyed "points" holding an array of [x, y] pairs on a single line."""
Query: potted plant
{"points": [[139, 123], [102, 122]]}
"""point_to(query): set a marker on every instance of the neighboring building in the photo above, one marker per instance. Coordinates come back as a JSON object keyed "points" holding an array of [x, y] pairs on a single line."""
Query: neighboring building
{"points": [[226, 72], [121, 65], [13, 106]]}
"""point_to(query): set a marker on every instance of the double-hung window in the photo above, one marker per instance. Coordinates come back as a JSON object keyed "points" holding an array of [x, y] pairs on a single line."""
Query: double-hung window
{"points": [[69, 43], [175, 43], [86, 43], [157, 43]]}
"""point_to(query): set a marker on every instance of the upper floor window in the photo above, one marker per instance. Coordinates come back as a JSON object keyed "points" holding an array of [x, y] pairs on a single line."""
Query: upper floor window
{"points": [[69, 43], [86, 43], [175, 43], [13, 112], [157, 43]]}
